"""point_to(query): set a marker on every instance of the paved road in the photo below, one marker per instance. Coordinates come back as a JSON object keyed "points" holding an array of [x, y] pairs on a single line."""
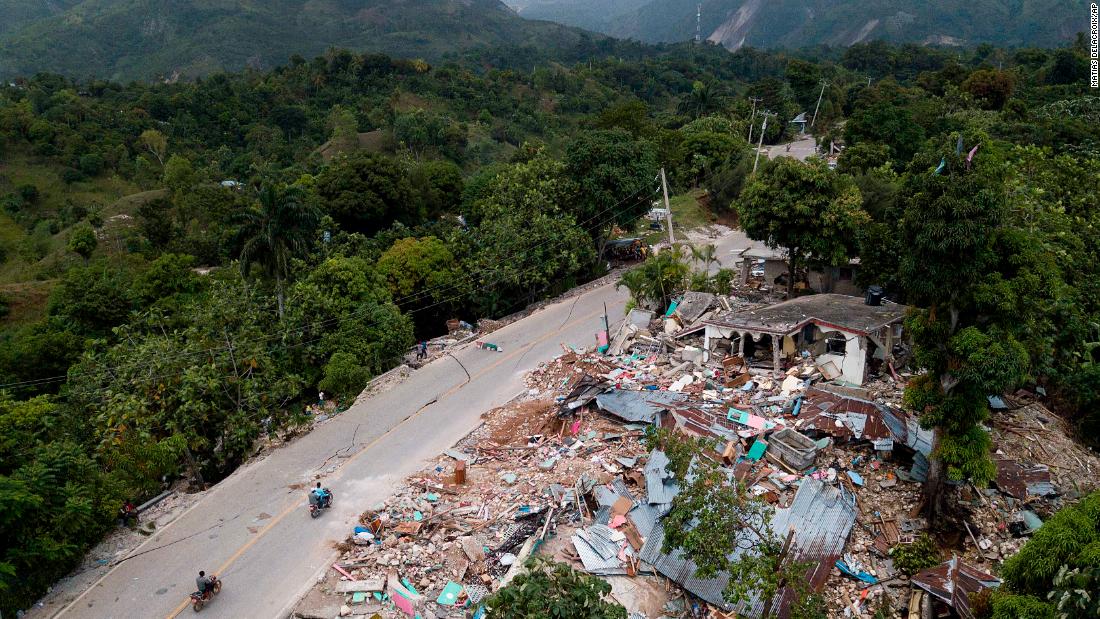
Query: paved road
{"points": [[253, 529], [800, 149]]}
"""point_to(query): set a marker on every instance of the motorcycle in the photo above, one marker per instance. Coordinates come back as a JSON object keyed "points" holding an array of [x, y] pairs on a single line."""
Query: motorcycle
{"points": [[198, 600], [322, 504]]}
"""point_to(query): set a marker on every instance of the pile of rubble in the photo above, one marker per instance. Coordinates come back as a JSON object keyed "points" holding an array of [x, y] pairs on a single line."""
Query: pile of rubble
{"points": [[563, 471]]}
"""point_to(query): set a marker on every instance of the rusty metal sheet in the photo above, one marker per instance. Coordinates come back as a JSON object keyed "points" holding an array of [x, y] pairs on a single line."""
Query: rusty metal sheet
{"points": [[1023, 482], [953, 582]]}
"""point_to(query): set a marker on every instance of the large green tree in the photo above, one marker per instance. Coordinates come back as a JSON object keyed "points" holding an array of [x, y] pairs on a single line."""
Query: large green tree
{"points": [[548, 589], [805, 208], [948, 233], [613, 174], [277, 229], [366, 192]]}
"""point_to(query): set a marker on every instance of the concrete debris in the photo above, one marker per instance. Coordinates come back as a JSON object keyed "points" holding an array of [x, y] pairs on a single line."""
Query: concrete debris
{"points": [[562, 471]]}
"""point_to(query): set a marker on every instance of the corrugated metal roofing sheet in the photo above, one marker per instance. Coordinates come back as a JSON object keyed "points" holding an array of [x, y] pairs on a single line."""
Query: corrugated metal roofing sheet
{"points": [[660, 486], [862, 419], [953, 581], [641, 406], [821, 517], [1023, 482]]}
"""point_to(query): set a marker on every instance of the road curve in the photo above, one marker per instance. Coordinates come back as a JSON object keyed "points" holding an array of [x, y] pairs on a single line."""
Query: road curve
{"points": [[253, 529]]}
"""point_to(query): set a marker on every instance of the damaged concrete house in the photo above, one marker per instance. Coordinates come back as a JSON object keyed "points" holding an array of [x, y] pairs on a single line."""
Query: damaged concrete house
{"points": [[771, 265], [844, 335]]}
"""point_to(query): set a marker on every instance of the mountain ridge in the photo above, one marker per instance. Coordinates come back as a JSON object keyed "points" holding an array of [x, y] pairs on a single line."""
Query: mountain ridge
{"points": [[804, 23], [142, 39]]}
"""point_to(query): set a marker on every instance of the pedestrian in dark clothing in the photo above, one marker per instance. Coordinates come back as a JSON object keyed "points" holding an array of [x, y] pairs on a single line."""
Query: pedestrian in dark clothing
{"points": [[422, 352]]}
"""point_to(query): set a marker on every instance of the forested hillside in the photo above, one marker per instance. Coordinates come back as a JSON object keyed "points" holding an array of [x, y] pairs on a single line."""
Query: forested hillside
{"points": [[185, 265], [807, 23], [138, 39]]}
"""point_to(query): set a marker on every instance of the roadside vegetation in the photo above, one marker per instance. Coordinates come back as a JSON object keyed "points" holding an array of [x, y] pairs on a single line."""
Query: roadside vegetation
{"points": [[183, 265]]}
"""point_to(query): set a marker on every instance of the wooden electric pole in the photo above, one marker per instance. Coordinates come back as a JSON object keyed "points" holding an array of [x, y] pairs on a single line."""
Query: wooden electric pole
{"points": [[754, 100], [818, 106], [668, 210], [763, 128]]}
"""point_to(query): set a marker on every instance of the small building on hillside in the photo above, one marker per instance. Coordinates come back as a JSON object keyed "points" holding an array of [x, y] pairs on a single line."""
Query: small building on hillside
{"points": [[841, 333], [800, 121], [771, 264]]}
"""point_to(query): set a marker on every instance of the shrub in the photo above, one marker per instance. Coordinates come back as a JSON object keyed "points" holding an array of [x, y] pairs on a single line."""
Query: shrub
{"points": [[912, 558], [344, 375]]}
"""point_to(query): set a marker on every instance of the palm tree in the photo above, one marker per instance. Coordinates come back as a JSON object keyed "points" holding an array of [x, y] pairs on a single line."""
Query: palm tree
{"points": [[276, 229], [701, 101], [705, 255]]}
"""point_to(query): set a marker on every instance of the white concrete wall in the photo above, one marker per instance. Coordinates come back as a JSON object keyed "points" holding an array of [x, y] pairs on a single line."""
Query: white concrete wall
{"points": [[854, 360]]}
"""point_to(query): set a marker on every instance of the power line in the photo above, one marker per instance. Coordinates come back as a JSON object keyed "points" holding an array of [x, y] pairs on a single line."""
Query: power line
{"points": [[419, 295], [211, 351]]}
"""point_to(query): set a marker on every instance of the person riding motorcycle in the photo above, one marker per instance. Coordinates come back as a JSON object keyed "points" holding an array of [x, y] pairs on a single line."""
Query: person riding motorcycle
{"points": [[319, 496], [205, 584]]}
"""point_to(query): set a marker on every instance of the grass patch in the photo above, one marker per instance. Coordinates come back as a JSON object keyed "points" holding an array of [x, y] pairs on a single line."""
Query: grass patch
{"points": [[26, 302], [110, 195], [687, 214]]}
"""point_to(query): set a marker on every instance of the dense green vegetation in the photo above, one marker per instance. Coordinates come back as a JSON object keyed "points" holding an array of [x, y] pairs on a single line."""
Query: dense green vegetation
{"points": [[184, 265], [133, 39], [550, 589], [1057, 573]]}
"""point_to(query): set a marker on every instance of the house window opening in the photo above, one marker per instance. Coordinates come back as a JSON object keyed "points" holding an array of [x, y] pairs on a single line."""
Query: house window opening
{"points": [[836, 345]]}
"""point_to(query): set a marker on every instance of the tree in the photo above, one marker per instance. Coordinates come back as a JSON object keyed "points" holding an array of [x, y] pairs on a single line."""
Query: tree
{"points": [[344, 376], [947, 232], [343, 305], [278, 228], [1047, 577], [723, 528], [93, 298], [657, 280], [82, 240], [990, 87], [550, 589], [167, 276], [419, 271], [56, 499], [613, 174], [702, 100], [366, 192], [806, 209], [179, 175], [437, 186], [216, 381], [888, 123], [155, 143]]}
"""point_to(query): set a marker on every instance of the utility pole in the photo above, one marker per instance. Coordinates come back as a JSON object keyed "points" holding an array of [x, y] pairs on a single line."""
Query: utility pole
{"points": [[754, 100], [668, 210], [816, 108], [763, 128], [698, 18]]}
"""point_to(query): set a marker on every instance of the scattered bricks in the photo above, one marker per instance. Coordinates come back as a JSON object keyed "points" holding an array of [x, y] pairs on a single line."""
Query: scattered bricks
{"points": [[460, 472]]}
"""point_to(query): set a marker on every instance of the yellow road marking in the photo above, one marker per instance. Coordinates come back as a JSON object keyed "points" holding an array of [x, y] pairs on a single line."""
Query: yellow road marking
{"points": [[244, 548]]}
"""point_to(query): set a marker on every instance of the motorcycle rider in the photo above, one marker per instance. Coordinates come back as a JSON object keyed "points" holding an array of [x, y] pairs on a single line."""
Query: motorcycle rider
{"points": [[319, 496], [205, 584]]}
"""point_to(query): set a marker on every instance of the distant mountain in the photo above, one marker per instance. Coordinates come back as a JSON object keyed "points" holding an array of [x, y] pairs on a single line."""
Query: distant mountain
{"points": [[800, 23], [597, 15], [141, 39], [18, 13]]}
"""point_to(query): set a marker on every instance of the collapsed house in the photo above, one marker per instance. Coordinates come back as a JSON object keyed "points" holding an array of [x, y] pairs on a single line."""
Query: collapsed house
{"points": [[771, 265], [843, 334]]}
